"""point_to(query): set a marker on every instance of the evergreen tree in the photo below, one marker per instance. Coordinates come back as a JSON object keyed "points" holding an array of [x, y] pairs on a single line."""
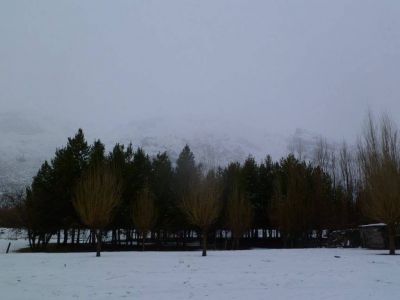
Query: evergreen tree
{"points": [[251, 188], [141, 169], [122, 162], [41, 213], [291, 202], [267, 174], [186, 171], [162, 187], [187, 174], [68, 165], [97, 153]]}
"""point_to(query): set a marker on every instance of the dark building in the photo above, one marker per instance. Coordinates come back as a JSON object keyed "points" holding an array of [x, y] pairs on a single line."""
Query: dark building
{"points": [[374, 236]]}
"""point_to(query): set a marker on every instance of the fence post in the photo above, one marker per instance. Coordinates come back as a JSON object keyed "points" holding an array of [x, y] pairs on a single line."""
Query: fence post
{"points": [[8, 248]]}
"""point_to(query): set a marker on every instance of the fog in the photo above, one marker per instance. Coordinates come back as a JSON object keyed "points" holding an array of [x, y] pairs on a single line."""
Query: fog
{"points": [[242, 72]]}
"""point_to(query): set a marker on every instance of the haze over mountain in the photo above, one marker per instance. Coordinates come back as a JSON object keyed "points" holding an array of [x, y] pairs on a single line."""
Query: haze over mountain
{"points": [[27, 142], [228, 77]]}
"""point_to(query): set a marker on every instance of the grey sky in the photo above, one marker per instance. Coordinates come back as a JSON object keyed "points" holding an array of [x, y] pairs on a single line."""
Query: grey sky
{"points": [[234, 66]]}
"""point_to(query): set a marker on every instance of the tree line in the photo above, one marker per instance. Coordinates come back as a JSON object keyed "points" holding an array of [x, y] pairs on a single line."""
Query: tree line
{"points": [[83, 187]]}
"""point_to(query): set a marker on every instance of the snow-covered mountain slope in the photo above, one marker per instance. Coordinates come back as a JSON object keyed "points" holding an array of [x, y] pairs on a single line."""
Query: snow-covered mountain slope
{"points": [[214, 142], [27, 140]]}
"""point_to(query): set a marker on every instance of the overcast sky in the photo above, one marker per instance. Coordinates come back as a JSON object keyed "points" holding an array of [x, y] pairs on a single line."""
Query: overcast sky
{"points": [[269, 65]]}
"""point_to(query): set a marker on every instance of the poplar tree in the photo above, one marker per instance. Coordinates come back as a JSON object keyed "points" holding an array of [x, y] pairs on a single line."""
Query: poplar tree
{"points": [[97, 194]]}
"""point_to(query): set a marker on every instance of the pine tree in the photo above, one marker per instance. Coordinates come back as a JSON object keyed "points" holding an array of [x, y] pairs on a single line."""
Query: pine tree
{"points": [[68, 165], [41, 213], [291, 200], [251, 188], [161, 185], [97, 153], [187, 174], [267, 174], [122, 162]]}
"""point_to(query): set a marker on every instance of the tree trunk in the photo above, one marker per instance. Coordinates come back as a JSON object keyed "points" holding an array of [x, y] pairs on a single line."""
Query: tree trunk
{"points": [[143, 238], [73, 236], [30, 239], [48, 238], [204, 243], [77, 236], [65, 236], [392, 239], [114, 236], [98, 248]]}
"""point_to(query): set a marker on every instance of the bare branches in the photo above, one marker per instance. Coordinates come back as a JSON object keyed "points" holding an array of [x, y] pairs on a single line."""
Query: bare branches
{"points": [[144, 213], [322, 154], [239, 214], [96, 196], [379, 154], [347, 168], [201, 205]]}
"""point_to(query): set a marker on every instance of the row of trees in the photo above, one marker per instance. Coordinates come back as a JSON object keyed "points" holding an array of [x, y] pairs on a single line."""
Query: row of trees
{"points": [[83, 187]]}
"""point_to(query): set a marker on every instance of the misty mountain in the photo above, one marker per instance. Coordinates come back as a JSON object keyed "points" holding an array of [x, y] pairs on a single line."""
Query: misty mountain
{"points": [[27, 140]]}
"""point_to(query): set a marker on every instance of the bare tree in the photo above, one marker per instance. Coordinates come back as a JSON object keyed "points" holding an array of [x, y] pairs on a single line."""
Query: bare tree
{"points": [[239, 215], [324, 156], [144, 214], [96, 196], [347, 169], [201, 205], [379, 157], [297, 147], [321, 154]]}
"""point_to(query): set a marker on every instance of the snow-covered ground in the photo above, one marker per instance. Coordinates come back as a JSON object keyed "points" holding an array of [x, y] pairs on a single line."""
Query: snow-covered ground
{"points": [[254, 274]]}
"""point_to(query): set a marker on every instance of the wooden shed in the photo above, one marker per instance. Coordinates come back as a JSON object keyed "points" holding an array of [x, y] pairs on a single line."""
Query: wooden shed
{"points": [[373, 236]]}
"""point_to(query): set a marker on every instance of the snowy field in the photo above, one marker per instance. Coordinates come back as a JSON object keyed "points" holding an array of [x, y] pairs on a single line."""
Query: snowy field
{"points": [[255, 274]]}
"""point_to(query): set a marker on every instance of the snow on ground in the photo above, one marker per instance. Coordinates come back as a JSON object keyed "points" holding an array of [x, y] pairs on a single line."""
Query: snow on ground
{"points": [[253, 274]]}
